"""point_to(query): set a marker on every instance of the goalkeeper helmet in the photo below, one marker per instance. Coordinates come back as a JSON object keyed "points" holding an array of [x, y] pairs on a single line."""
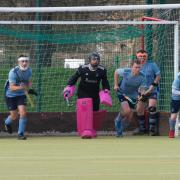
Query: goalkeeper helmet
{"points": [[94, 56], [94, 59]]}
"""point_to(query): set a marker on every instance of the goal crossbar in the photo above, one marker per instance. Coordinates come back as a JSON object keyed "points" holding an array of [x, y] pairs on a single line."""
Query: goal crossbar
{"points": [[90, 22], [89, 8]]}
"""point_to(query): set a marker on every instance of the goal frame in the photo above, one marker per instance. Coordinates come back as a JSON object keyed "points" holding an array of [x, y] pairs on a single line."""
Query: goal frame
{"points": [[102, 9]]}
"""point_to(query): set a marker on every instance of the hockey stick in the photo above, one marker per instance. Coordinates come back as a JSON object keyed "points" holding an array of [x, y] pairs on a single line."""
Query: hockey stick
{"points": [[130, 100], [68, 103], [145, 95], [66, 99], [133, 102], [29, 98]]}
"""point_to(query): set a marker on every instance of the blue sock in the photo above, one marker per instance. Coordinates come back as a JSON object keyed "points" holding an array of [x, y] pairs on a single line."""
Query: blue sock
{"points": [[118, 125], [8, 120], [172, 124], [22, 125]]}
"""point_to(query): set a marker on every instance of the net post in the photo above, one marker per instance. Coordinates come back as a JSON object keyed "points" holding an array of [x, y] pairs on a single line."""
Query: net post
{"points": [[176, 66]]}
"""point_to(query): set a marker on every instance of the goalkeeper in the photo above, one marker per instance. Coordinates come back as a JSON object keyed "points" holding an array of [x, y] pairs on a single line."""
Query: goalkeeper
{"points": [[132, 84], [15, 87], [91, 75], [152, 74]]}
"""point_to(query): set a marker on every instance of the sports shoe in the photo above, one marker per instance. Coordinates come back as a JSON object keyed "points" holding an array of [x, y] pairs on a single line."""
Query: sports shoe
{"points": [[171, 134], [140, 133], [118, 135], [118, 127], [21, 137], [153, 130], [87, 134], [8, 128], [151, 133]]}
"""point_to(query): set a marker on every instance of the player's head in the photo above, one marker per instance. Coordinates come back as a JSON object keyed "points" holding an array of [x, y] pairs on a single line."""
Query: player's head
{"points": [[23, 62], [135, 66], [94, 59], [142, 55]]}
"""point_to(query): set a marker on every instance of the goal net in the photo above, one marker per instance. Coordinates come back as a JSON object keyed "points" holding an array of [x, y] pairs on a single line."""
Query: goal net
{"points": [[59, 41]]}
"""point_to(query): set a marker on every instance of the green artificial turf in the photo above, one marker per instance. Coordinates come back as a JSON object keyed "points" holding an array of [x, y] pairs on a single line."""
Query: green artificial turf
{"points": [[103, 158]]}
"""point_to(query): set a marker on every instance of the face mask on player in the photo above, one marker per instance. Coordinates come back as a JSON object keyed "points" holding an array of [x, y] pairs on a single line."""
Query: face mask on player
{"points": [[94, 63], [94, 59]]}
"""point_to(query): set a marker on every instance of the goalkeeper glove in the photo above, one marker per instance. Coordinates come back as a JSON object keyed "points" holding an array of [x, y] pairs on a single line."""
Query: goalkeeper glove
{"points": [[33, 92], [66, 94], [154, 84], [143, 98]]}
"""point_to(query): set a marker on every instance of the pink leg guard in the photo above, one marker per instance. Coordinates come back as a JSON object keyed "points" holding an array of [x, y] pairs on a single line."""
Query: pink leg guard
{"points": [[98, 118], [94, 133], [85, 117]]}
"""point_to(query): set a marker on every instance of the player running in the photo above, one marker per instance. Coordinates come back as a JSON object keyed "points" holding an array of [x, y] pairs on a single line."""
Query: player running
{"points": [[132, 84], [16, 85]]}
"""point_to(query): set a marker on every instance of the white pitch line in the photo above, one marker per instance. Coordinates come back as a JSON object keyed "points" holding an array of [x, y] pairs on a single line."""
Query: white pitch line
{"points": [[92, 174], [27, 157]]}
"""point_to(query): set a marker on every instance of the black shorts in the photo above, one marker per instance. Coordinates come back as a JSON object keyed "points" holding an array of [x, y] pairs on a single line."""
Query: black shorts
{"points": [[175, 106], [13, 102]]}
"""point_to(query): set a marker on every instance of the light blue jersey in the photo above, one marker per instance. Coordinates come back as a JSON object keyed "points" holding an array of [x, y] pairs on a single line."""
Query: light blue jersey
{"points": [[150, 70], [17, 76], [176, 86], [130, 84]]}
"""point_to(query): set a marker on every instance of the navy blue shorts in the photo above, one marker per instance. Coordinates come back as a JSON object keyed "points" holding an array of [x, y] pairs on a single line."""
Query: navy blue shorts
{"points": [[122, 98], [153, 95], [13, 102], [175, 106]]}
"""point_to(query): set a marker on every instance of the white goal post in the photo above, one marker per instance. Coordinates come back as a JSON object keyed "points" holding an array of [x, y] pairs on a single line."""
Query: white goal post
{"points": [[89, 8]]}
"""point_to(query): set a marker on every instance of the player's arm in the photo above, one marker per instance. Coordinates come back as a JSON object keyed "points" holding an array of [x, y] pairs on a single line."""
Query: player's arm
{"points": [[73, 79], [144, 91], [105, 82], [175, 92], [29, 84], [117, 73], [116, 80], [175, 86], [14, 87], [69, 90], [156, 70], [157, 79], [155, 83], [30, 90]]}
